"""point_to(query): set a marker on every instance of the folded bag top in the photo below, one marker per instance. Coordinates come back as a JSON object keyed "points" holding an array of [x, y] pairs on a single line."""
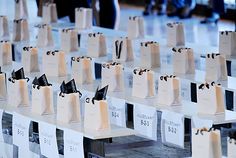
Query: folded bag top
{"points": [[41, 81], [232, 134], [68, 88], [101, 93], [18, 75]]}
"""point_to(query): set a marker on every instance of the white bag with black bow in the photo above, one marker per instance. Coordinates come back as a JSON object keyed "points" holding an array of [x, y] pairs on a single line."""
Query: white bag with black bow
{"points": [[135, 27], [231, 144], [42, 96], [122, 50], [210, 99], [175, 34], [5, 53], [96, 45], [183, 61], [150, 55], [68, 103], [20, 30], [29, 59], [21, 11], [96, 110], [216, 69], [3, 85], [54, 63], [227, 43], [18, 89], [49, 13], [83, 18], [206, 143], [169, 90], [4, 28], [143, 83], [44, 37], [82, 70], [69, 40], [113, 76]]}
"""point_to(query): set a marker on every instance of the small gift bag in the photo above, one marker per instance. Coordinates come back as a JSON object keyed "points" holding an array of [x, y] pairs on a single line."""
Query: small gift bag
{"points": [[175, 34], [29, 59], [206, 143], [42, 96], [135, 27], [216, 69], [68, 103], [143, 83], [20, 30], [96, 45], [44, 37], [113, 76], [18, 89], [122, 50], [3, 86], [210, 99], [49, 13], [231, 144], [82, 70], [54, 63], [227, 43], [21, 10], [183, 61], [169, 91], [83, 18], [4, 29], [150, 55], [96, 115], [5, 53], [69, 40]]}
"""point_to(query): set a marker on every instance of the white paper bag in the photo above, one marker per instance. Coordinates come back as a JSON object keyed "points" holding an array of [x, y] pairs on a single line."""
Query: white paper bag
{"points": [[215, 68], [49, 13], [5, 53], [82, 70], [44, 37], [1, 133], [210, 99], [54, 63], [183, 61], [83, 18], [69, 40], [135, 27], [113, 75], [227, 43], [150, 55], [20, 30], [96, 45], [42, 100], [143, 83], [18, 93], [231, 147], [206, 143], [175, 34], [68, 108], [4, 28], [21, 10], [96, 111], [29, 59], [169, 91], [122, 50], [3, 86]]}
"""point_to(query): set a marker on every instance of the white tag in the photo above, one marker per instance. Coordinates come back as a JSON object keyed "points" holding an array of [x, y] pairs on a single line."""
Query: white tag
{"points": [[200, 123], [1, 135], [48, 140], [117, 112], [172, 128], [73, 144], [185, 90], [145, 121], [20, 132]]}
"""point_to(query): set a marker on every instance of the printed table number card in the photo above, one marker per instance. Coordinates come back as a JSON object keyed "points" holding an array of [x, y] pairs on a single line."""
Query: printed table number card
{"points": [[172, 128], [145, 121], [21, 133], [1, 135], [48, 140], [73, 144], [117, 111]]}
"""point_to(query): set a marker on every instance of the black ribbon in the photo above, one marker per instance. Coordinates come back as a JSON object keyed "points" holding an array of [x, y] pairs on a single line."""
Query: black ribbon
{"points": [[119, 45]]}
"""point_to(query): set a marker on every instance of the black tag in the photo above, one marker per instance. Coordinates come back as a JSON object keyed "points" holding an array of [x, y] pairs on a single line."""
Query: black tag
{"points": [[98, 70], [228, 64], [13, 52], [194, 92], [229, 98]]}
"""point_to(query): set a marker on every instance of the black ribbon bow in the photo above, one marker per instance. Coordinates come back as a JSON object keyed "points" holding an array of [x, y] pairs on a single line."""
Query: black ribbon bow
{"points": [[68, 88]]}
